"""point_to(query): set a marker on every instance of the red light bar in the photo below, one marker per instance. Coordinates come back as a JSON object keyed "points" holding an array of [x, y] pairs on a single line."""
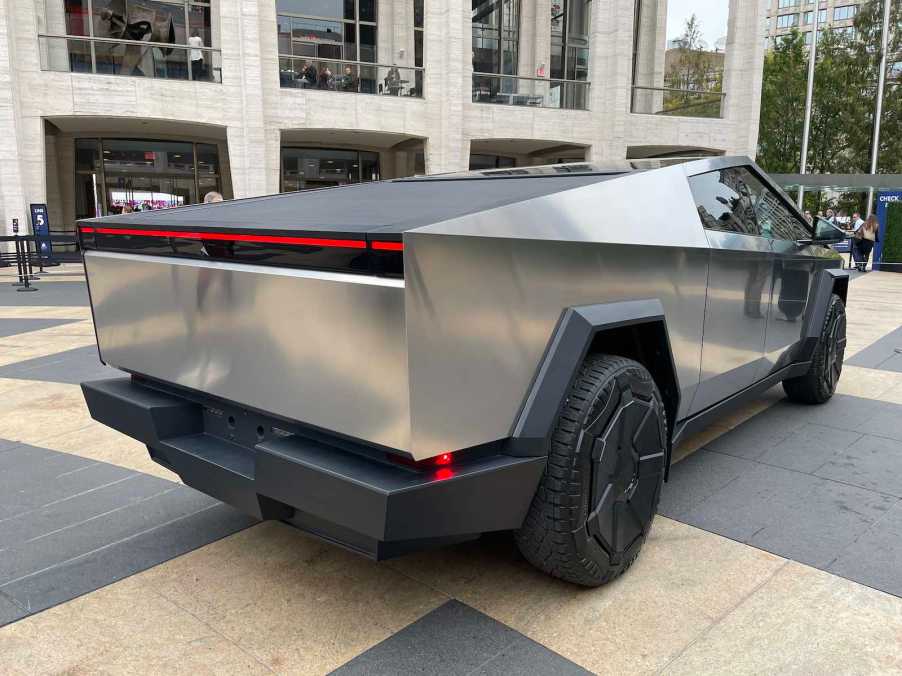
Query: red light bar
{"points": [[85, 228], [224, 236], [387, 246]]}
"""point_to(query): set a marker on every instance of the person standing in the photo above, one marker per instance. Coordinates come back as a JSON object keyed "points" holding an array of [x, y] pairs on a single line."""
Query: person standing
{"points": [[196, 42], [865, 237]]}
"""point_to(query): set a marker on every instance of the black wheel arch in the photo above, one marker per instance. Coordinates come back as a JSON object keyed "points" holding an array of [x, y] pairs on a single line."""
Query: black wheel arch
{"points": [[636, 329], [830, 281]]}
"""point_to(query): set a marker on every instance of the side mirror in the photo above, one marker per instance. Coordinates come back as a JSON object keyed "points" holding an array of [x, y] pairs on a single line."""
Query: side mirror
{"points": [[827, 233]]}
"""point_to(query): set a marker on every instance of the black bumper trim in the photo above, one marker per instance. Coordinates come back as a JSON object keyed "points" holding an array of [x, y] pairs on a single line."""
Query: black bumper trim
{"points": [[370, 506]]}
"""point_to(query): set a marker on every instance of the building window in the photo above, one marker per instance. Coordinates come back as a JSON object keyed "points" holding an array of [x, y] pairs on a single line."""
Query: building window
{"points": [[333, 45], [418, 22], [307, 168], [139, 38], [678, 58], [570, 21], [808, 17], [787, 20], [844, 13], [142, 175], [496, 36], [783, 4]]}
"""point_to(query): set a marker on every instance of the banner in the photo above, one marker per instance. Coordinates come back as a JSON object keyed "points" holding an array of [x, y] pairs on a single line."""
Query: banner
{"points": [[40, 228]]}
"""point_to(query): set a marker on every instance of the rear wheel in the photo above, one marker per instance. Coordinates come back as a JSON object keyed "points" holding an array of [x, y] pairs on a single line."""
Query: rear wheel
{"points": [[819, 383], [602, 483]]}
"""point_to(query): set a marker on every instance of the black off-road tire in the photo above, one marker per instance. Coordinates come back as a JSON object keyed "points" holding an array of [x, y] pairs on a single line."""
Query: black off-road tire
{"points": [[819, 383], [601, 486]]}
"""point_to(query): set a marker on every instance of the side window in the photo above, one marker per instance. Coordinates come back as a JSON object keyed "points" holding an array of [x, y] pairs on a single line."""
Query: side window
{"points": [[725, 201], [775, 219]]}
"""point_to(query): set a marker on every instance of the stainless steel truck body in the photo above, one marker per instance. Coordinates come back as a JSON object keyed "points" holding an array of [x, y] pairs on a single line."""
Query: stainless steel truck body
{"points": [[389, 365]]}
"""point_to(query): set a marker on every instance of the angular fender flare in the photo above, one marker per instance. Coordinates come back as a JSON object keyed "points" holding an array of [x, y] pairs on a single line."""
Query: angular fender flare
{"points": [[570, 343], [829, 281]]}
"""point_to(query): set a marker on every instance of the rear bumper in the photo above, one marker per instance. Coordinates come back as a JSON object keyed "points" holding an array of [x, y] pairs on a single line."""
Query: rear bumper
{"points": [[354, 499]]}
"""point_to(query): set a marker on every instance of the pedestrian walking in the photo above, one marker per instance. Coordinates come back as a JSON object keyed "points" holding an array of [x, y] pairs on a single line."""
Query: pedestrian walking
{"points": [[865, 237]]}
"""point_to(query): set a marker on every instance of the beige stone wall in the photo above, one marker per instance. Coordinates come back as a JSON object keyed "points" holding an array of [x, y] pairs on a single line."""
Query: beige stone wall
{"points": [[249, 114]]}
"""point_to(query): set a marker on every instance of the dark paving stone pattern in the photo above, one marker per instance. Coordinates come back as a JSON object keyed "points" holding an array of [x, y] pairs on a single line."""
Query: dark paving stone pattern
{"points": [[821, 485], [69, 525], [54, 294], [884, 354], [12, 327], [71, 366], [457, 639]]}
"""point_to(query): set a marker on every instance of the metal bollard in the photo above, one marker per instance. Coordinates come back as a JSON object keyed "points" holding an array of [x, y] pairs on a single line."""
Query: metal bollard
{"points": [[23, 284], [27, 249]]}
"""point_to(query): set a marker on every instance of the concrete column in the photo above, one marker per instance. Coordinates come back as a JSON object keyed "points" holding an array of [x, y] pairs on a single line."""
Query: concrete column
{"points": [[242, 25], [448, 60], [611, 39], [743, 73]]}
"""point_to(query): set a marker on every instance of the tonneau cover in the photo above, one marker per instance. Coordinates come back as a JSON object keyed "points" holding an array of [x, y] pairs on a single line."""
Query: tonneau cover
{"points": [[383, 208]]}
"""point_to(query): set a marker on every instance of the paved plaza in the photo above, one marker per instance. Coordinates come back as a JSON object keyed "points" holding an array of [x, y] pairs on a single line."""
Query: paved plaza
{"points": [[778, 547]]}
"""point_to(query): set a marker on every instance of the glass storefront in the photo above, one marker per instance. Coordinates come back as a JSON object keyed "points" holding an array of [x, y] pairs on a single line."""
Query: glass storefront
{"points": [[308, 168], [113, 176], [570, 20], [112, 34]]}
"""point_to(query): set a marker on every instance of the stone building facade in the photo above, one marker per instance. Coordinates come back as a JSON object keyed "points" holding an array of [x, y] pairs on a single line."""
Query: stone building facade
{"points": [[108, 104]]}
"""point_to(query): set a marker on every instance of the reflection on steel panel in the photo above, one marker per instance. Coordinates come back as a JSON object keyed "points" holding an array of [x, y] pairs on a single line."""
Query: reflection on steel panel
{"points": [[322, 348]]}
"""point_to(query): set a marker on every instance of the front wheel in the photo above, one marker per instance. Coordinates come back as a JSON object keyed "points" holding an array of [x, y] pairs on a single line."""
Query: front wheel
{"points": [[601, 486], [819, 383]]}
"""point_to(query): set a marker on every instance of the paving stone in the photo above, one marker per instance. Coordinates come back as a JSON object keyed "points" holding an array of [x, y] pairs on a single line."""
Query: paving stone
{"points": [[65, 512], [874, 558], [72, 367], [25, 558], [872, 462], [31, 477], [697, 478], [526, 657], [457, 639], [886, 421], [12, 327], [878, 353], [9, 611], [816, 528], [842, 411], [120, 559], [756, 436], [51, 294], [757, 498], [809, 447]]}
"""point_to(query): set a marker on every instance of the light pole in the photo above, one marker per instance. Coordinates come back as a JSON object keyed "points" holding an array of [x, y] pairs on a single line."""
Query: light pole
{"points": [[878, 113], [809, 96]]}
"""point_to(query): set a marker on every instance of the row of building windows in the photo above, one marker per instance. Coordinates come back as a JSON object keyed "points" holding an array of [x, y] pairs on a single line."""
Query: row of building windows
{"points": [[337, 45], [839, 14]]}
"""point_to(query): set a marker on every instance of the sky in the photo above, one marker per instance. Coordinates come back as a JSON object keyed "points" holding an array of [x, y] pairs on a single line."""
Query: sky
{"points": [[711, 14]]}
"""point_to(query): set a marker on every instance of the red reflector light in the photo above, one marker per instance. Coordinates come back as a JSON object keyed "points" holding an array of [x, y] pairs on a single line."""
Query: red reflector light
{"points": [[87, 229], [230, 237], [444, 473], [387, 246], [443, 459]]}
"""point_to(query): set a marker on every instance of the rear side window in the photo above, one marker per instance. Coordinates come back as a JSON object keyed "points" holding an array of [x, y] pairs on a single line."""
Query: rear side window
{"points": [[726, 200], [776, 220]]}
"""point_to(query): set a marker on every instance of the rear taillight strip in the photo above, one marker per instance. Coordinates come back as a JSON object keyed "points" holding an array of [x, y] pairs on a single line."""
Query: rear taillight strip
{"points": [[262, 239], [232, 237]]}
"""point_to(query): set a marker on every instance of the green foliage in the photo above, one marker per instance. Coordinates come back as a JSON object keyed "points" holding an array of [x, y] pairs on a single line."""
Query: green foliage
{"points": [[892, 242], [695, 72], [844, 100]]}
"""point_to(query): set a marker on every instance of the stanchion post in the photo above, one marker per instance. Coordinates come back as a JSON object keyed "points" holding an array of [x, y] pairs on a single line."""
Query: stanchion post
{"points": [[27, 247], [23, 266], [19, 271]]}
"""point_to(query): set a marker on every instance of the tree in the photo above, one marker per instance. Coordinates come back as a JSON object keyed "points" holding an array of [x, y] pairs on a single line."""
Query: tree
{"points": [[842, 119], [693, 73], [783, 105]]}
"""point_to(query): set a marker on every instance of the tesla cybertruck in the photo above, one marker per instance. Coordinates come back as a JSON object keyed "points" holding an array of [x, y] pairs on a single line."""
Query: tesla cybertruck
{"points": [[405, 364]]}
